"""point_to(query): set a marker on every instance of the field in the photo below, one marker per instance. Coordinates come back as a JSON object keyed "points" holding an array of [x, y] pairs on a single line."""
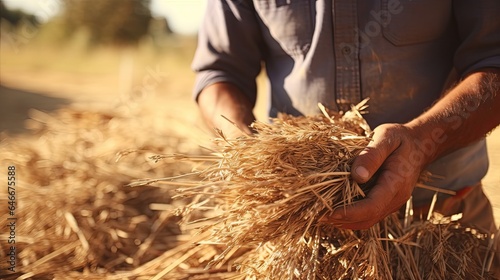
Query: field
{"points": [[150, 86]]}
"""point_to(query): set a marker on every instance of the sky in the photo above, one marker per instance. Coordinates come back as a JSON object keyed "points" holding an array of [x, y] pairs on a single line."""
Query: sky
{"points": [[184, 16]]}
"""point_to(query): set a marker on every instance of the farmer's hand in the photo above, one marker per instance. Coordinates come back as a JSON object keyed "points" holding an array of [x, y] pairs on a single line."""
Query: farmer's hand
{"points": [[224, 100], [399, 152], [394, 152]]}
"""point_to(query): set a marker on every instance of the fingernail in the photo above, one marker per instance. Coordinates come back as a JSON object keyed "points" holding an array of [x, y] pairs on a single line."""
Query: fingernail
{"points": [[336, 216], [362, 172], [328, 219]]}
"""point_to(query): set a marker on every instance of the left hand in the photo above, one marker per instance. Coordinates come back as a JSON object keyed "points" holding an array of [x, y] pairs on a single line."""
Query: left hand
{"points": [[397, 156]]}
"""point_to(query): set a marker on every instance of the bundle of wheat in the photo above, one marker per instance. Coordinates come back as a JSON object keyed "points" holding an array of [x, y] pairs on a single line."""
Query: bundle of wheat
{"points": [[255, 208], [268, 191]]}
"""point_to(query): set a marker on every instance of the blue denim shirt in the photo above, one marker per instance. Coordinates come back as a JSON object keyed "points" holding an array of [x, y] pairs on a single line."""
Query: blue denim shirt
{"points": [[402, 54]]}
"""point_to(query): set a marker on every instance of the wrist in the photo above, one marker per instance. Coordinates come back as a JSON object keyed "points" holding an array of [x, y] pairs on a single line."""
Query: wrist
{"points": [[429, 139], [225, 107]]}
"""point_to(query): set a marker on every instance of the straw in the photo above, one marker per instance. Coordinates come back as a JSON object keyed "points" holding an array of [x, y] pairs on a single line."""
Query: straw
{"points": [[267, 192], [248, 210]]}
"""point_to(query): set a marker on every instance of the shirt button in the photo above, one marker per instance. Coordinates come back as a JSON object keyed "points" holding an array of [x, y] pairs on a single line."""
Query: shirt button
{"points": [[346, 50]]}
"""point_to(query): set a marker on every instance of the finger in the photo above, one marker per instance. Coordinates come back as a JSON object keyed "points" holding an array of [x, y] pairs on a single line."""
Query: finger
{"points": [[360, 215], [374, 155], [380, 202]]}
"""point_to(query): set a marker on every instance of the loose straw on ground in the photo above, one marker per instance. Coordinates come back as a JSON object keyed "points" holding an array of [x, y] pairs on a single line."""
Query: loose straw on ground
{"points": [[77, 219]]}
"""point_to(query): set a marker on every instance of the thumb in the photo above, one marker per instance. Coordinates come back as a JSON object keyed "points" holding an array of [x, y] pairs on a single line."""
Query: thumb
{"points": [[374, 155]]}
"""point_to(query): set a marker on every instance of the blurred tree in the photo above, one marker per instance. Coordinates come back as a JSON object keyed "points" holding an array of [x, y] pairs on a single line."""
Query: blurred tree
{"points": [[121, 22], [16, 17]]}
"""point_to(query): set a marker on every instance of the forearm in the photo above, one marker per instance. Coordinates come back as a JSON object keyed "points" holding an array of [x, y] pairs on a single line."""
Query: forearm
{"points": [[464, 115], [400, 152], [225, 99]]}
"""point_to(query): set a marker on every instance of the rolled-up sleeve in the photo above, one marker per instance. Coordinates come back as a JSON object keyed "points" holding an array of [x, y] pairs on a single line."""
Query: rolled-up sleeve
{"points": [[478, 24], [229, 47]]}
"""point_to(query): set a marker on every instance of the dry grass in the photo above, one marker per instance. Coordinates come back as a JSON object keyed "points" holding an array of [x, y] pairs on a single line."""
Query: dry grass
{"points": [[252, 214], [76, 217], [267, 192]]}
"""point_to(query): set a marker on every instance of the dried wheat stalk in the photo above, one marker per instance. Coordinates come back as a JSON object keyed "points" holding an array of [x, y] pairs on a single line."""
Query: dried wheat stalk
{"points": [[255, 207], [267, 192]]}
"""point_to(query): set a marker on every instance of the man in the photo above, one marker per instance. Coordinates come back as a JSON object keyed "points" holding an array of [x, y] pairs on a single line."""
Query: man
{"points": [[430, 68]]}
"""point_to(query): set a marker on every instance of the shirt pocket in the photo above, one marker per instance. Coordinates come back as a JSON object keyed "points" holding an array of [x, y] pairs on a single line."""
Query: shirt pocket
{"points": [[287, 25], [415, 21]]}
